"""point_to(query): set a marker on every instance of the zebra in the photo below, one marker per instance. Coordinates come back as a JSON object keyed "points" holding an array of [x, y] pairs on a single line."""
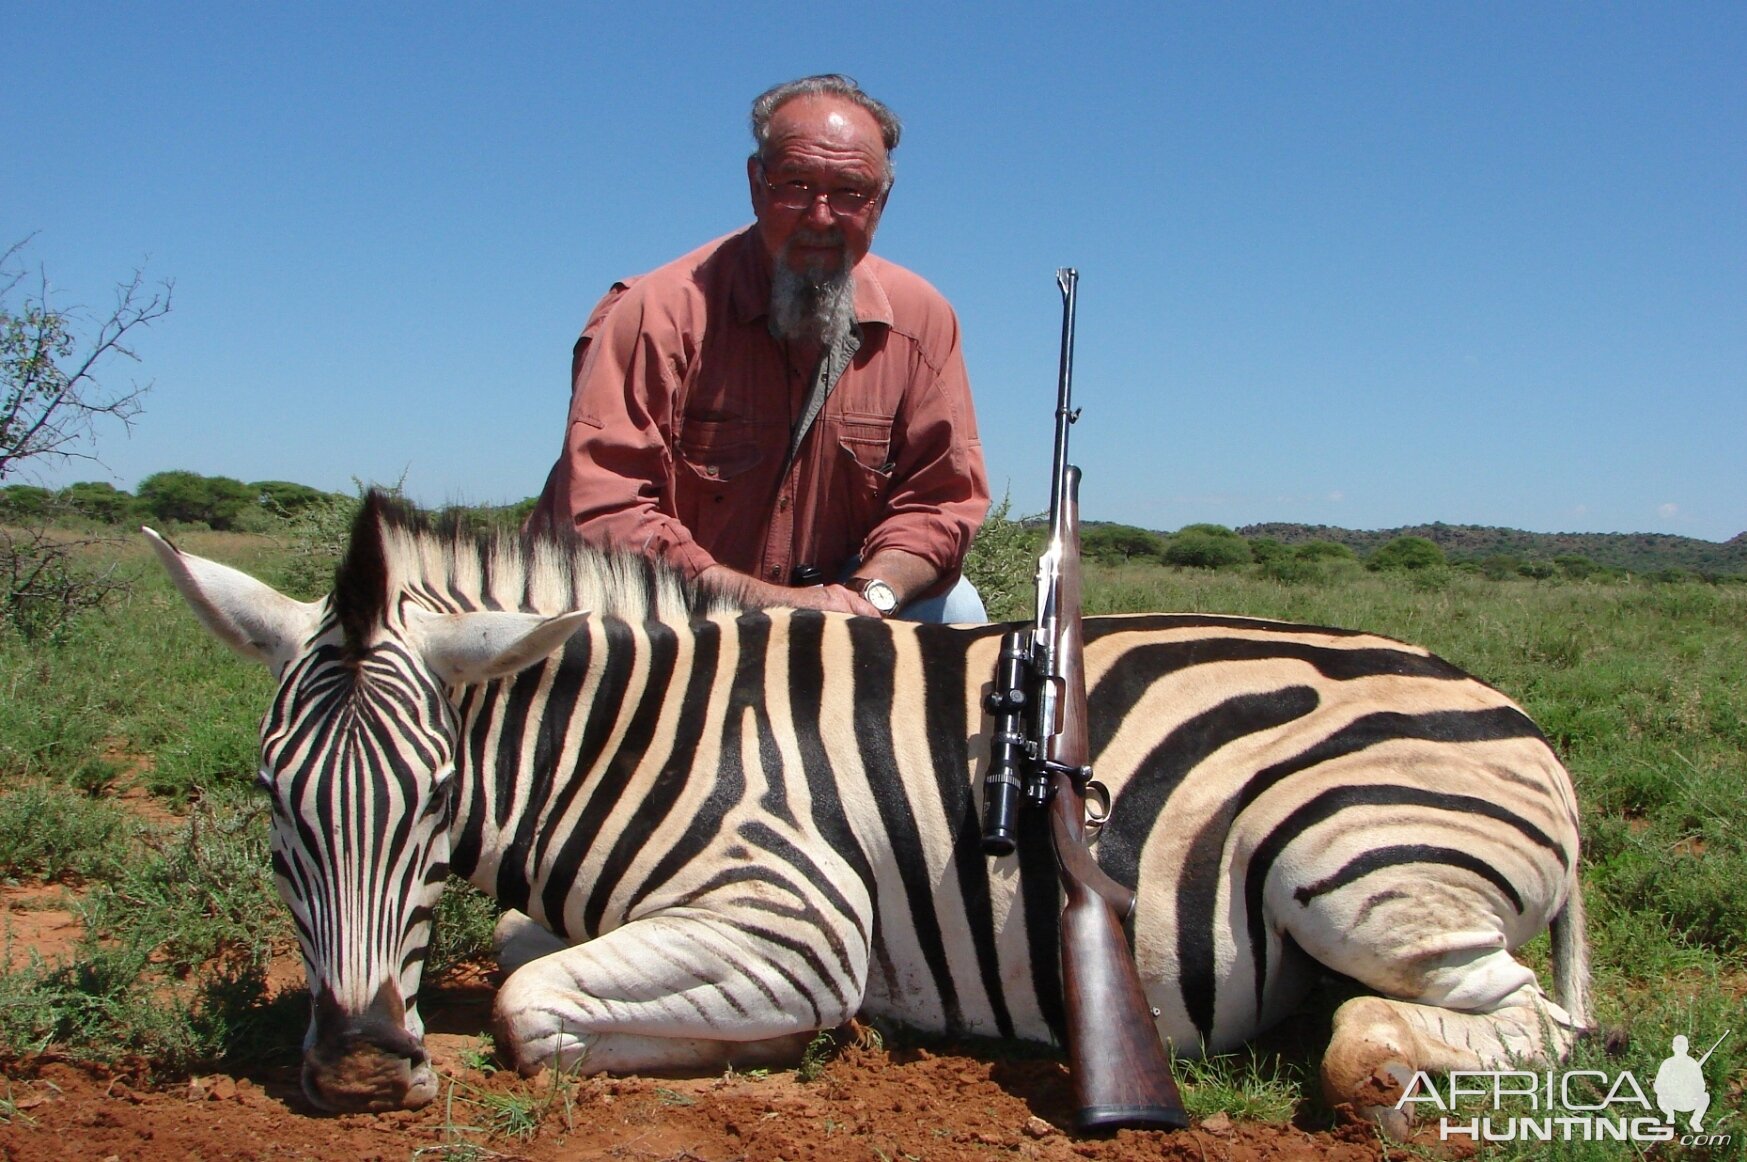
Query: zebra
{"points": [[718, 830]]}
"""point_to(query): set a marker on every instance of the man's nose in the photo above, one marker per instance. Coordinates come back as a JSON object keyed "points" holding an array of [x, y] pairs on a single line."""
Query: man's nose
{"points": [[819, 215]]}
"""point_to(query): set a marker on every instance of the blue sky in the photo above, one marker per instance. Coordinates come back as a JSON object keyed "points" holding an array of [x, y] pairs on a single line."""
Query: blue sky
{"points": [[1356, 264]]}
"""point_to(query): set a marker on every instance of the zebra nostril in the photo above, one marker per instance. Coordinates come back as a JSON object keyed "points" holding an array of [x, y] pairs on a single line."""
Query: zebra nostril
{"points": [[312, 1088]]}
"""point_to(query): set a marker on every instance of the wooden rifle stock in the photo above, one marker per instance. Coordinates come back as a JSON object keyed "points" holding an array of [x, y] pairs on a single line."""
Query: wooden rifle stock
{"points": [[1037, 706], [1120, 1075]]}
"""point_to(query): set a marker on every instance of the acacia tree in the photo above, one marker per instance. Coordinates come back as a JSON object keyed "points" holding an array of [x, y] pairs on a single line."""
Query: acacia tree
{"points": [[50, 396], [51, 401]]}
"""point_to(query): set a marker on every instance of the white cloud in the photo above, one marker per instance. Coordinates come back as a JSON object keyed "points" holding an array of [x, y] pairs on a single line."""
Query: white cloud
{"points": [[1668, 511]]}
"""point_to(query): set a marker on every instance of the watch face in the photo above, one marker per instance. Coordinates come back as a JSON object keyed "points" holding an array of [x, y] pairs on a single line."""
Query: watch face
{"points": [[880, 596]]}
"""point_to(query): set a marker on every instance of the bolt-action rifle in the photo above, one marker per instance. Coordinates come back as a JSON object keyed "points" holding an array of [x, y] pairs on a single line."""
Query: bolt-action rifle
{"points": [[1040, 756]]}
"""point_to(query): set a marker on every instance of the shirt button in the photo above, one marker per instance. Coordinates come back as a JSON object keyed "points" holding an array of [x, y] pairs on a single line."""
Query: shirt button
{"points": [[711, 470], [775, 573], [782, 503]]}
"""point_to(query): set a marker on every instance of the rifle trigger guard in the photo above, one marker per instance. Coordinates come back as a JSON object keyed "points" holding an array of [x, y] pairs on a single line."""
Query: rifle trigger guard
{"points": [[1097, 803]]}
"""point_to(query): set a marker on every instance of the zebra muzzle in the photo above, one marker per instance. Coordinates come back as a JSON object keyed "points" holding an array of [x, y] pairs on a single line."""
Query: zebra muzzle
{"points": [[366, 1061]]}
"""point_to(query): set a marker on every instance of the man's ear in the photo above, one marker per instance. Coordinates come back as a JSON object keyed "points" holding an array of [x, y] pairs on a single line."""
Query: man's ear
{"points": [[755, 188]]}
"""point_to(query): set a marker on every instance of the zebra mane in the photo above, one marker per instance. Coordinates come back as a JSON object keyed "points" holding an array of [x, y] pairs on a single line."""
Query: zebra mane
{"points": [[394, 549]]}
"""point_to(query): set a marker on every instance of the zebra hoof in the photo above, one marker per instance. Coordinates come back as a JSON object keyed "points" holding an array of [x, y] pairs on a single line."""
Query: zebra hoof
{"points": [[529, 1055], [1375, 1101], [1366, 1070], [531, 1032]]}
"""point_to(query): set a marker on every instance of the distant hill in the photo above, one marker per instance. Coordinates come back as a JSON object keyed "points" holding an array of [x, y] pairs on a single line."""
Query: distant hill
{"points": [[1637, 552]]}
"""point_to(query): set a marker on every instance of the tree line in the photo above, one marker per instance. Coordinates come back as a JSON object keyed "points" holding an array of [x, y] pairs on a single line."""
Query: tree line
{"points": [[176, 497], [222, 503], [182, 498], [1214, 546]]}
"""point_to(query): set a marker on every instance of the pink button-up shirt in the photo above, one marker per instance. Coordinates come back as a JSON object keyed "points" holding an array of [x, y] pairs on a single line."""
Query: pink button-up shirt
{"points": [[683, 407]]}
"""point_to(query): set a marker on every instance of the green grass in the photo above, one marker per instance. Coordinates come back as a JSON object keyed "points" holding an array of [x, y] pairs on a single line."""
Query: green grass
{"points": [[1249, 1085], [194, 896], [58, 834], [818, 1053], [517, 1114], [1641, 686]]}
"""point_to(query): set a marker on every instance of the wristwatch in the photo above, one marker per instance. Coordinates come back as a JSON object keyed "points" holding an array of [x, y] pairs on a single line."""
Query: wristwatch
{"points": [[876, 593]]}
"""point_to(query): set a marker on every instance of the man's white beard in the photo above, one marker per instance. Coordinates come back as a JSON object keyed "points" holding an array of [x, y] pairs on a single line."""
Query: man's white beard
{"points": [[814, 305]]}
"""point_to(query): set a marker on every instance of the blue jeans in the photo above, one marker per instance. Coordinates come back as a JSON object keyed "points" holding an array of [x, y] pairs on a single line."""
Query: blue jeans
{"points": [[962, 603]]}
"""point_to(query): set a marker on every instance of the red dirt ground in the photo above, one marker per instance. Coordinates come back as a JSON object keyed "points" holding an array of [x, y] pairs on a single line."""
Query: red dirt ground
{"points": [[867, 1104]]}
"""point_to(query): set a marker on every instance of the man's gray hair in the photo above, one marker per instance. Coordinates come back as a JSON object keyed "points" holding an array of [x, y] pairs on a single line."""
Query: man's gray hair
{"points": [[823, 85]]}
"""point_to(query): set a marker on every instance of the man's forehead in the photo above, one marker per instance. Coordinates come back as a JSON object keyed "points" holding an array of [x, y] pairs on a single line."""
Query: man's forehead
{"points": [[825, 121]]}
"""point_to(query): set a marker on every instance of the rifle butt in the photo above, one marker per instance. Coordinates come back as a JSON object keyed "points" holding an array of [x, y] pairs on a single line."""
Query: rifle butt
{"points": [[1120, 1075]]}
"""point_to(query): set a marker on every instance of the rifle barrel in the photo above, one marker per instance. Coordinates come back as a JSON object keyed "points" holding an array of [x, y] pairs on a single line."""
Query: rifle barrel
{"points": [[1069, 280]]}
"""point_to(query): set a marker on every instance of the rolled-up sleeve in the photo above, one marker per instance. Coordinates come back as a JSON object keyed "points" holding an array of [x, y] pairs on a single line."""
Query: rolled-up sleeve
{"points": [[614, 478], [940, 490]]}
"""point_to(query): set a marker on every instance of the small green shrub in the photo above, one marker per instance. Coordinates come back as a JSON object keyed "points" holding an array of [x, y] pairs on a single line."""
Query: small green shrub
{"points": [[53, 833], [1205, 546], [318, 533], [1575, 566], [186, 497], [1500, 567], [1111, 544], [199, 897], [462, 930], [1324, 551], [1266, 550], [1407, 553], [818, 1053], [1002, 563]]}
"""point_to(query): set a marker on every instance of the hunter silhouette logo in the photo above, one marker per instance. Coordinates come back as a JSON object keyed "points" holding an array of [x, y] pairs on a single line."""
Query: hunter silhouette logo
{"points": [[1588, 1105], [1680, 1084]]}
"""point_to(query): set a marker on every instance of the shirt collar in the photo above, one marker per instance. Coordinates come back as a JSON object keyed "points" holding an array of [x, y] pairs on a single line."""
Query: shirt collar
{"points": [[750, 289]]}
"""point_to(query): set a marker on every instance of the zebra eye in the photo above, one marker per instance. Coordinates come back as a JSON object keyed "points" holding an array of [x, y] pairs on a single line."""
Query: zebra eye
{"points": [[442, 791]]}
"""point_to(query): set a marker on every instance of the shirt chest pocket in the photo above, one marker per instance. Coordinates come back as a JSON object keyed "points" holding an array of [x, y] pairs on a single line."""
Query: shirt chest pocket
{"points": [[716, 451], [867, 440]]}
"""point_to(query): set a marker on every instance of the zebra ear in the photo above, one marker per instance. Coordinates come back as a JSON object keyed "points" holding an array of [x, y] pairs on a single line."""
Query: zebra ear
{"points": [[466, 648], [249, 616]]}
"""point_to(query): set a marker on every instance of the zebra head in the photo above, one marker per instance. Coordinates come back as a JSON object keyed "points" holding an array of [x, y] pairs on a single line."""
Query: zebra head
{"points": [[358, 755]]}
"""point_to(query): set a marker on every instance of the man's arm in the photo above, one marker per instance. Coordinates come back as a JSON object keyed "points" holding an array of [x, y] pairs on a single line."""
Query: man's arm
{"points": [[907, 574], [608, 483], [939, 492]]}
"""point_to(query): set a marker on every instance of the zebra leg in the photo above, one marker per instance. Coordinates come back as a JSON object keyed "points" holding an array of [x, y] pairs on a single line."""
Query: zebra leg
{"points": [[518, 939], [1484, 1011], [676, 993]]}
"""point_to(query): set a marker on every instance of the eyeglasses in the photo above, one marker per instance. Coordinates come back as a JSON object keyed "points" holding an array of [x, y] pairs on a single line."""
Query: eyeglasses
{"points": [[798, 195]]}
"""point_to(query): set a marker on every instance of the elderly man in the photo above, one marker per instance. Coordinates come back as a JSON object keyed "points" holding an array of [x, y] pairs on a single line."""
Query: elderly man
{"points": [[780, 413]]}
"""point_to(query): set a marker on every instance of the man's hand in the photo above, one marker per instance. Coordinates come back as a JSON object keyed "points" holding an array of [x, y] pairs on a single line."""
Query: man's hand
{"points": [[834, 598], [906, 573], [763, 595]]}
